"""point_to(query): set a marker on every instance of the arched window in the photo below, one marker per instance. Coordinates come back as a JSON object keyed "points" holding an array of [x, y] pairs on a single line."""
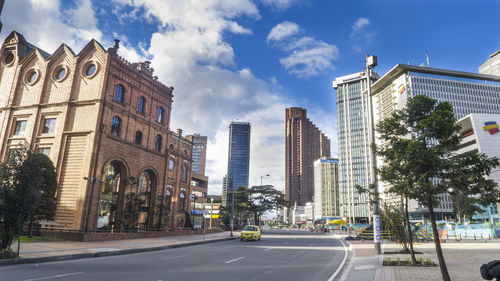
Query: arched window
{"points": [[140, 108], [168, 200], [182, 202], [159, 114], [184, 173], [119, 93], [144, 193], [115, 126], [138, 137], [158, 143], [109, 196], [171, 147]]}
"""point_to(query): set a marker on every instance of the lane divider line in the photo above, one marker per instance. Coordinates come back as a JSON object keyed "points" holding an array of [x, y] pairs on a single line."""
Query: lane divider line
{"points": [[235, 260], [341, 264], [54, 276], [268, 249]]}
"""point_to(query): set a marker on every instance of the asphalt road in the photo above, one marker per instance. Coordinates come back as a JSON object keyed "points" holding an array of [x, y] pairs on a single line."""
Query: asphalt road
{"points": [[280, 255]]}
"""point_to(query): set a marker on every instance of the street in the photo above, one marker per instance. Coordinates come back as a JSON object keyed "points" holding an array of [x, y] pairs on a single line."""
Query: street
{"points": [[280, 255]]}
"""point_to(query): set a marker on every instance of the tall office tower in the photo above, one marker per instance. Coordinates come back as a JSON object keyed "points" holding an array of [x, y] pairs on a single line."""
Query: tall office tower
{"points": [[492, 65], [354, 145], [199, 153], [238, 164], [326, 188], [304, 143], [467, 92]]}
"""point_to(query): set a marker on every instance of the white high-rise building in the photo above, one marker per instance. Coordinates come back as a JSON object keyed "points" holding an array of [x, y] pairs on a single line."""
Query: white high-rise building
{"points": [[467, 92], [354, 145], [481, 133], [326, 188], [491, 65]]}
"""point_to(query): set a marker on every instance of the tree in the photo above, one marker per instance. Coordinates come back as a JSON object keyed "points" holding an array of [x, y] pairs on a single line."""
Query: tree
{"points": [[422, 139], [393, 216], [263, 198], [46, 208], [132, 211], [20, 179], [467, 178]]}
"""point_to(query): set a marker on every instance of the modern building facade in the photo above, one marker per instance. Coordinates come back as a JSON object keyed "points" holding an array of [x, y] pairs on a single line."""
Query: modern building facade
{"points": [[238, 164], [326, 188], [481, 133], [102, 120], [354, 131], [199, 153], [492, 65], [304, 143], [467, 92]]}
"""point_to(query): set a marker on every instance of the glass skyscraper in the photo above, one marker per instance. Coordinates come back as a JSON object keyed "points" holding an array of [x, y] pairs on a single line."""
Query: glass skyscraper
{"points": [[354, 145], [239, 154]]}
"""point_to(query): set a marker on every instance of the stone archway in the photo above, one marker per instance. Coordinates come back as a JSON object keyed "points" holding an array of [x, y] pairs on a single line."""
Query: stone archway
{"points": [[147, 185]]}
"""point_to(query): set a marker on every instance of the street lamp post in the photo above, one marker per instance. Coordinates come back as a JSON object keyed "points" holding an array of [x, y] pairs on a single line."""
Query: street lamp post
{"points": [[371, 62]]}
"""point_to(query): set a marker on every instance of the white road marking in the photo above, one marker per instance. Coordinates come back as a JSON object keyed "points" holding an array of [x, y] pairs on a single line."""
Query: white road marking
{"points": [[341, 264], [174, 257], [268, 249], [54, 276], [235, 260], [286, 243]]}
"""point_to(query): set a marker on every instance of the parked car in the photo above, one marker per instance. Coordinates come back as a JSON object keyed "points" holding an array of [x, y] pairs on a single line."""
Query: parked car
{"points": [[250, 232]]}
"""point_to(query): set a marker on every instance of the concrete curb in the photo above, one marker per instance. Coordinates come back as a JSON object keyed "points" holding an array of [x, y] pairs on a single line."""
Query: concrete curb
{"points": [[107, 253]]}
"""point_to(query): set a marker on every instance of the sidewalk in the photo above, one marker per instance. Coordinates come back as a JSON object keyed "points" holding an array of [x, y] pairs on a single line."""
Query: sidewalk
{"points": [[64, 250], [463, 260]]}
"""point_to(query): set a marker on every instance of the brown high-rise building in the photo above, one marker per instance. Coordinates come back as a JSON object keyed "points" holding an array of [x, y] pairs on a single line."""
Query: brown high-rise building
{"points": [[304, 144]]}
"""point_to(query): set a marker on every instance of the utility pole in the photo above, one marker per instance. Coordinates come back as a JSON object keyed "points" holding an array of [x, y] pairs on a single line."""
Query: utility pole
{"points": [[371, 62]]}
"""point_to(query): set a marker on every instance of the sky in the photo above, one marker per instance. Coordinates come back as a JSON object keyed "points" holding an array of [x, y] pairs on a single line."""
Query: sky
{"points": [[248, 60]]}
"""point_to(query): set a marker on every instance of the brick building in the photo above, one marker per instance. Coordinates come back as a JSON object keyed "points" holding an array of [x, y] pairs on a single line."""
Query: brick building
{"points": [[104, 122], [304, 143]]}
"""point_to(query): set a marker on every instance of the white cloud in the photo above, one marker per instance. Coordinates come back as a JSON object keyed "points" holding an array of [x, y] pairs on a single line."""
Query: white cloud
{"points": [[279, 4], [189, 52], [306, 56], [43, 23], [283, 30], [362, 33]]}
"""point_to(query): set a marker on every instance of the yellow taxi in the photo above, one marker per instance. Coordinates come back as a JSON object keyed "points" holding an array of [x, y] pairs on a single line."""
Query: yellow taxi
{"points": [[250, 232]]}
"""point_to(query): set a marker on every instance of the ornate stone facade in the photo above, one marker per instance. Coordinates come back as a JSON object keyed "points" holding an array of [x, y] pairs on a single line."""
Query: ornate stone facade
{"points": [[104, 122]]}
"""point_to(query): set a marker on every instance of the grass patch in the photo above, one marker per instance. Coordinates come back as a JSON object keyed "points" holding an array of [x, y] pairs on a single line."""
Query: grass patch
{"points": [[408, 262], [25, 239]]}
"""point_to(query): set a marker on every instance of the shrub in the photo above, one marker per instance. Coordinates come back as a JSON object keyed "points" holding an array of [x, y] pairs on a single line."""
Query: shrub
{"points": [[7, 254]]}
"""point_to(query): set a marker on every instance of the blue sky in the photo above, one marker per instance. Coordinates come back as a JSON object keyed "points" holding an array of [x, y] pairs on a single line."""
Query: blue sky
{"points": [[250, 59]]}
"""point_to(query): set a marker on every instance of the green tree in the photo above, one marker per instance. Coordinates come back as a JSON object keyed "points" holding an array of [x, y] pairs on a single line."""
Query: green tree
{"points": [[132, 211], [467, 178], [46, 207], [263, 198], [422, 140], [20, 179]]}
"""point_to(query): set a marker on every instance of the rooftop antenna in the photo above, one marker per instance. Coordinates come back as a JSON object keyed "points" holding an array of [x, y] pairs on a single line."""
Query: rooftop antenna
{"points": [[427, 57]]}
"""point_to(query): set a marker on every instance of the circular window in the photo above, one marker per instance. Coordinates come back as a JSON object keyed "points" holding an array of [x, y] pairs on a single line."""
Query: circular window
{"points": [[60, 74], [31, 77], [9, 58], [170, 164], [91, 69]]}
